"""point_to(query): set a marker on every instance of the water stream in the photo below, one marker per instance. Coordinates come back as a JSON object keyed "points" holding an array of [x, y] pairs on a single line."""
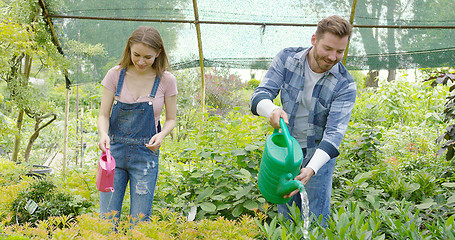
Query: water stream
{"points": [[305, 211]]}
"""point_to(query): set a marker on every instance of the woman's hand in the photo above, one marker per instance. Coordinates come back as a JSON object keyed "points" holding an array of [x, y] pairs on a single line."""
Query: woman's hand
{"points": [[155, 142], [104, 143]]}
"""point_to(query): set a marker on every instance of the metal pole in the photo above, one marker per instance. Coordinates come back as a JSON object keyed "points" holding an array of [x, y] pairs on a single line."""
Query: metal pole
{"points": [[243, 23], [201, 55], [351, 20]]}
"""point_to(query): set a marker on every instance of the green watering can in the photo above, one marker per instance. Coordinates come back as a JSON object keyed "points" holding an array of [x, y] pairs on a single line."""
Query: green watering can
{"points": [[280, 164]]}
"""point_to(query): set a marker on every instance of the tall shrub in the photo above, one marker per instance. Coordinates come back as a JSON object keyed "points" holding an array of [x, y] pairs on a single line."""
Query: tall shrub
{"points": [[449, 135], [222, 90]]}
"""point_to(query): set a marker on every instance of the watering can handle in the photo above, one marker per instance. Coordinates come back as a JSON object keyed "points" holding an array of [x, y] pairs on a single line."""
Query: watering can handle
{"points": [[108, 155], [290, 157]]}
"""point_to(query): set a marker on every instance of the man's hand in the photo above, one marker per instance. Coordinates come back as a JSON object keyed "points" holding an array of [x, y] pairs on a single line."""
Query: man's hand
{"points": [[275, 116], [304, 176]]}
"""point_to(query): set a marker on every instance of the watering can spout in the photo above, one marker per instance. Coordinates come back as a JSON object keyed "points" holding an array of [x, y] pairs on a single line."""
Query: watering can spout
{"points": [[288, 185]]}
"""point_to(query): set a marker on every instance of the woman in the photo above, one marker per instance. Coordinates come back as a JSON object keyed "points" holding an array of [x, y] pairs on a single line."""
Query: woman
{"points": [[134, 94]]}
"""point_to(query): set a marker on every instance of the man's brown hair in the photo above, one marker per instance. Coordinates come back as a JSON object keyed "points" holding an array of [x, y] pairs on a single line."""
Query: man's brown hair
{"points": [[335, 25]]}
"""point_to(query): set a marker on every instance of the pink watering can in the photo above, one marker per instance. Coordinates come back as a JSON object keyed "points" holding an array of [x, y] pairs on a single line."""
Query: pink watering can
{"points": [[105, 174]]}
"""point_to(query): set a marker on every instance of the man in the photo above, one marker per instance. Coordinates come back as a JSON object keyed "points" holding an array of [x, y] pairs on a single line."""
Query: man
{"points": [[317, 96]]}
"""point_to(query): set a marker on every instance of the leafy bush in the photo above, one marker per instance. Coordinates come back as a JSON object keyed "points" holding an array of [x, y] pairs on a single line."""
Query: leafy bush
{"points": [[166, 225], [13, 180], [214, 171], [389, 168], [449, 136], [49, 203], [365, 143], [400, 102], [398, 220], [252, 84]]}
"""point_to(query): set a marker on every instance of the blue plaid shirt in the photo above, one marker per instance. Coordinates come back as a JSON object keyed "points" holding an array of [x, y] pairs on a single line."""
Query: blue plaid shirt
{"points": [[332, 100]]}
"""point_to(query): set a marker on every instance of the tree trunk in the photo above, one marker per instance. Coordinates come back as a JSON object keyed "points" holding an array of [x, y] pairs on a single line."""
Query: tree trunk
{"points": [[20, 116], [372, 79], [36, 133], [17, 140]]}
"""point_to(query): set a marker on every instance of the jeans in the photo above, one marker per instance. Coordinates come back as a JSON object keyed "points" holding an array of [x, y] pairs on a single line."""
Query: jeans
{"points": [[138, 165], [319, 190]]}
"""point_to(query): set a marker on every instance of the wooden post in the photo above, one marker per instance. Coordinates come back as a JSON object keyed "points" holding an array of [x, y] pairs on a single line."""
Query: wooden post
{"points": [[65, 132], [351, 20], [201, 55], [82, 137], [77, 120]]}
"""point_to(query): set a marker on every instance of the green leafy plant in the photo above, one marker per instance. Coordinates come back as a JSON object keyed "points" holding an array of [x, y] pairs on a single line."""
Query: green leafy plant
{"points": [[173, 226], [253, 84], [227, 188], [42, 200], [214, 171]]}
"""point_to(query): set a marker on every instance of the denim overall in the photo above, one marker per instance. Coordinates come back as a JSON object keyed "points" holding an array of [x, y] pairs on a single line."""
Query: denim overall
{"points": [[131, 126]]}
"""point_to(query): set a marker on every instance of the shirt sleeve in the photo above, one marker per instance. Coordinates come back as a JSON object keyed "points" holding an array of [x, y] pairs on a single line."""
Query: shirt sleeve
{"points": [[265, 108], [171, 85], [318, 160], [110, 81], [271, 84]]}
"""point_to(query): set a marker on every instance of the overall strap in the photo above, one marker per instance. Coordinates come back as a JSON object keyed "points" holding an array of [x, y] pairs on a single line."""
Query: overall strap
{"points": [[155, 86], [120, 82]]}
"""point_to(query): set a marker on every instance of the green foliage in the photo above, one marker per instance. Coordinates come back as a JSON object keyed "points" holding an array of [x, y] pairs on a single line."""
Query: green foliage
{"points": [[188, 83], [50, 203], [399, 179], [400, 102], [396, 220], [79, 182], [25, 33], [13, 180], [28, 50], [80, 55], [223, 190], [360, 79], [165, 226], [365, 145], [252, 84], [216, 169], [10, 172]]}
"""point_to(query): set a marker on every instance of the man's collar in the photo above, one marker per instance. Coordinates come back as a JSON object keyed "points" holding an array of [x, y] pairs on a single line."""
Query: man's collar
{"points": [[301, 56]]}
